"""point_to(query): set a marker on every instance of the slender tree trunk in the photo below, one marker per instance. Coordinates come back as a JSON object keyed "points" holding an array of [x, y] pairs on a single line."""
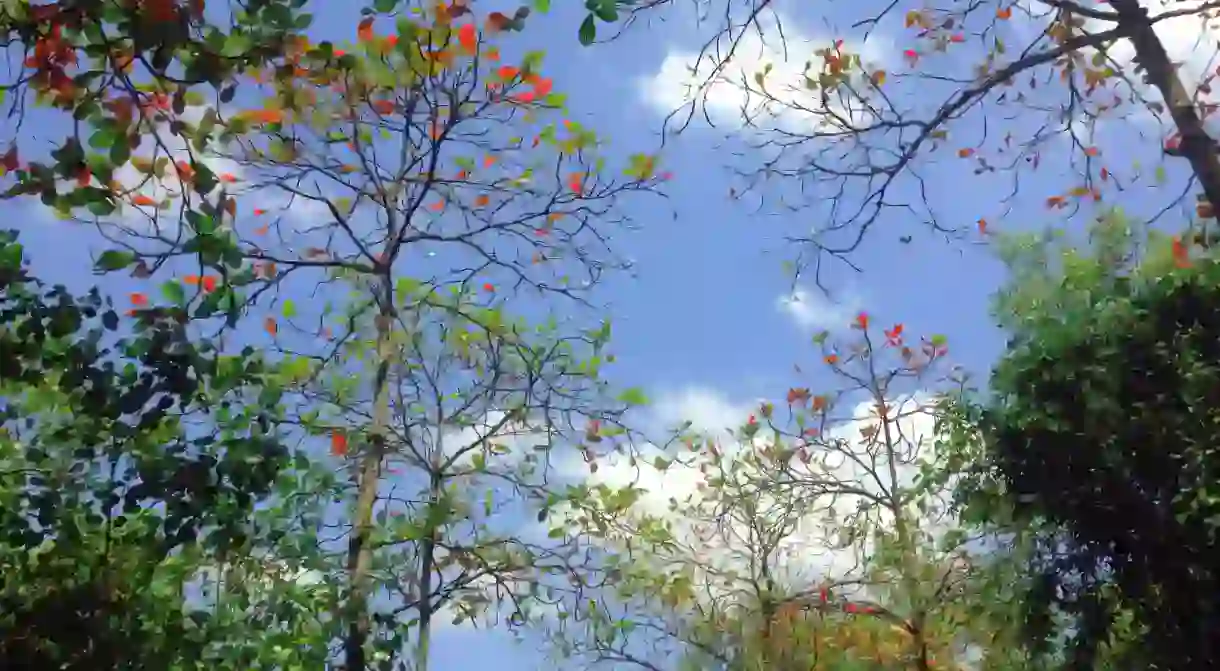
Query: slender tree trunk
{"points": [[917, 619], [1197, 146], [359, 552], [427, 564]]}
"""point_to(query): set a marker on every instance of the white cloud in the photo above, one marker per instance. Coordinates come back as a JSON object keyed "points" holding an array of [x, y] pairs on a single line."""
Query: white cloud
{"points": [[726, 84], [811, 311]]}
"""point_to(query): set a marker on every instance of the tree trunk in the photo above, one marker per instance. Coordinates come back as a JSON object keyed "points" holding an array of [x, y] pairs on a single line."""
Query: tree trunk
{"points": [[427, 563], [1197, 146], [359, 552]]}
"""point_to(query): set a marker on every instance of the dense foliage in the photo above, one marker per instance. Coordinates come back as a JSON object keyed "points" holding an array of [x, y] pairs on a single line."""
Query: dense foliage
{"points": [[1102, 429], [127, 457]]}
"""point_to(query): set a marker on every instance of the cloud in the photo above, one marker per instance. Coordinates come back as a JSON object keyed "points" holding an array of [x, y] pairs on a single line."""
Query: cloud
{"points": [[810, 311], [726, 82]]}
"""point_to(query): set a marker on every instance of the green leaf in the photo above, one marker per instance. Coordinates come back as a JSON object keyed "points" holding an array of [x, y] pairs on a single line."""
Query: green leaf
{"points": [[588, 30], [101, 139], [174, 292], [542, 5], [290, 308], [236, 45], [385, 6], [633, 396], [113, 259], [120, 151]]}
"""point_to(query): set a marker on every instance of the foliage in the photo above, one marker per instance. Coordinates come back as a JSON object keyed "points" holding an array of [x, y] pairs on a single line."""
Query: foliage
{"points": [[128, 459], [823, 538], [1100, 428], [120, 70], [414, 181]]}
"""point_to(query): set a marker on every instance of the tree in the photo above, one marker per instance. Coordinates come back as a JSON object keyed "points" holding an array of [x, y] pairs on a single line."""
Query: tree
{"points": [[119, 72], [816, 538], [1099, 427], [995, 90], [128, 458], [410, 178]]}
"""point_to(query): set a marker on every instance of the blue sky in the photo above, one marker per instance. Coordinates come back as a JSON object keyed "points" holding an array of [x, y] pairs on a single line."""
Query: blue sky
{"points": [[701, 312]]}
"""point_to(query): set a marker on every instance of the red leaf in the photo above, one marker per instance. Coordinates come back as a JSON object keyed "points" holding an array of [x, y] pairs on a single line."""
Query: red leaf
{"points": [[468, 38], [338, 444], [10, 161], [1181, 254], [365, 30]]}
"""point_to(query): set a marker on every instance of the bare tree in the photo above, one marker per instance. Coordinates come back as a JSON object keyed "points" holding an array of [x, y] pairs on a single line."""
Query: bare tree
{"points": [[997, 90]]}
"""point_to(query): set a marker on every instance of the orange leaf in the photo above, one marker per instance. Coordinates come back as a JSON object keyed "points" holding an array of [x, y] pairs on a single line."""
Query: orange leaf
{"points": [[1105, 174], [228, 177], [383, 106], [261, 230], [270, 325], [965, 153], [489, 161], [507, 72], [543, 86], [832, 359], [142, 199], [139, 300], [365, 30], [482, 200], [862, 320], [982, 225], [1055, 201], [191, 280], [554, 217], [878, 78], [1091, 151], [338, 444], [1080, 191], [437, 206], [1005, 13]]}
